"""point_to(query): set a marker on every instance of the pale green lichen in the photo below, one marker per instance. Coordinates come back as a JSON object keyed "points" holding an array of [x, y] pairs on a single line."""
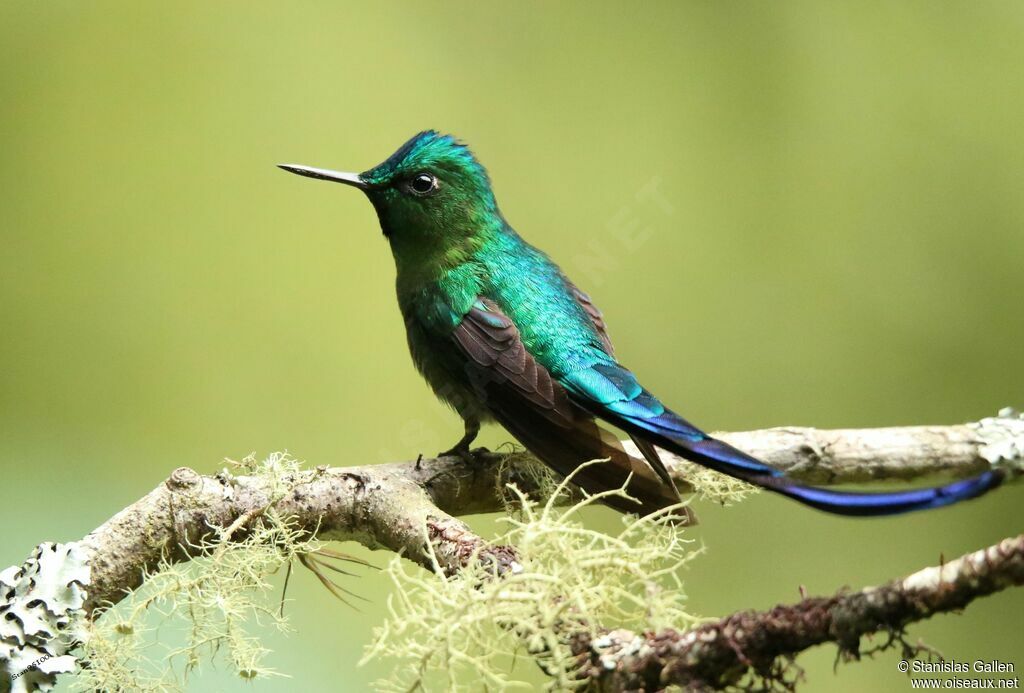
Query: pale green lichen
{"points": [[41, 616], [713, 486], [534, 473], [216, 604], [461, 632]]}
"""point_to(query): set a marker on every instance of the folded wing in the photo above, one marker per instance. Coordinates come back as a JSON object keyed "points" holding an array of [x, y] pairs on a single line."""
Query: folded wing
{"points": [[528, 401]]}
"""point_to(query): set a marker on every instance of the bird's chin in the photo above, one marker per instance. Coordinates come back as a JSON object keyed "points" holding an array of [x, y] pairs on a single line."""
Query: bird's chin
{"points": [[380, 208]]}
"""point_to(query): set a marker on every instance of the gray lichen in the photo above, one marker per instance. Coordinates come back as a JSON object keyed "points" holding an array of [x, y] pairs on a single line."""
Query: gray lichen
{"points": [[1003, 437], [41, 616]]}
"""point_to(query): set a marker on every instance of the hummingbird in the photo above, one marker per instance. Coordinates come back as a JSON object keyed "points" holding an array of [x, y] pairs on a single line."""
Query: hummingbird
{"points": [[500, 333]]}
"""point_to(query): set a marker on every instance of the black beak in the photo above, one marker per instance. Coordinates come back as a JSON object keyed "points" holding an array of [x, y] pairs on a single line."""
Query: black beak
{"points": [[352, 179]]}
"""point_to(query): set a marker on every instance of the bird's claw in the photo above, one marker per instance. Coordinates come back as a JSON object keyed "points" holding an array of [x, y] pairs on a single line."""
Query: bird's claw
{"points": [[464, 453]]}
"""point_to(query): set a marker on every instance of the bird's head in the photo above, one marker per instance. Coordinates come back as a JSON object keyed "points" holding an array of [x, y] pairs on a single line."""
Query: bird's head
{"points": [[432, 196]]}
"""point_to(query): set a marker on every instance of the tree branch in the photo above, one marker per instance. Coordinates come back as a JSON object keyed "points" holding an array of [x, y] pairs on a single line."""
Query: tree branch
{"points": [[386, 506], [719, 654], [377, 506]]}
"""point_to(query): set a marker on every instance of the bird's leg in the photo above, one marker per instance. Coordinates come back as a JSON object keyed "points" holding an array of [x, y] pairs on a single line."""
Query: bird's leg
{"points": [[461, 448]]}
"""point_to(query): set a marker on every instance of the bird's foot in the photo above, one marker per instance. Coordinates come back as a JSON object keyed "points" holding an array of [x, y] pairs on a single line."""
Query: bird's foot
{"points": [[464, 453]]}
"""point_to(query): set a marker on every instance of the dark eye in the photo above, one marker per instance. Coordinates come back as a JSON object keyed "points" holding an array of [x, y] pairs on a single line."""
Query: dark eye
{"points": [[423, 183]]}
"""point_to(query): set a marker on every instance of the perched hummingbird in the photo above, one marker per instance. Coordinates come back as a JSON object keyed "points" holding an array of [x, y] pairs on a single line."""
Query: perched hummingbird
{"points": [[500, 333]]}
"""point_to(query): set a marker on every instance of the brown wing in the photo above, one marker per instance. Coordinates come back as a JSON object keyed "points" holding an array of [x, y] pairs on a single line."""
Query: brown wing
{"points": [[527, 400]]}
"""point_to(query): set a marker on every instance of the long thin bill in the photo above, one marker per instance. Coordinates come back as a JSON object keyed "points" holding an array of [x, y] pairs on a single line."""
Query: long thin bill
{"points": [[352, 179]]}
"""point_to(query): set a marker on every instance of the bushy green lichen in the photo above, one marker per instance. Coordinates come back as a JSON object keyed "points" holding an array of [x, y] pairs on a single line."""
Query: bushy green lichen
{"points": [[217, 604], [460, 632]]}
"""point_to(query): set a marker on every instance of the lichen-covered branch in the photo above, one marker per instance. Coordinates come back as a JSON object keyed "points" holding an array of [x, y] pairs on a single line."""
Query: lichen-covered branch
{"points": [[721, 653], [386, 506], [410, 507], [377, 506]]}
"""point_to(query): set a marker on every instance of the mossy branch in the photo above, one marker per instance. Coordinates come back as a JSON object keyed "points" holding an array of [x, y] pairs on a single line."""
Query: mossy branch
{"points": [[384, 506], [388, 506]]}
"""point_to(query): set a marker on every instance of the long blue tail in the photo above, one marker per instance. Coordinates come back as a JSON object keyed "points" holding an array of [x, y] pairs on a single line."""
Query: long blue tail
{"points": [[727, 459], [612, 393]]}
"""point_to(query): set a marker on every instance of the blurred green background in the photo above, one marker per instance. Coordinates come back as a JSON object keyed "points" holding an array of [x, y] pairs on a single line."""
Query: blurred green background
{"points": [[840, 244]]}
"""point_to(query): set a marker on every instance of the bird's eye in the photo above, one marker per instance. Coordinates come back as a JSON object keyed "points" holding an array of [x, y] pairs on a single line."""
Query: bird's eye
{"points": [[423, 184]]}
